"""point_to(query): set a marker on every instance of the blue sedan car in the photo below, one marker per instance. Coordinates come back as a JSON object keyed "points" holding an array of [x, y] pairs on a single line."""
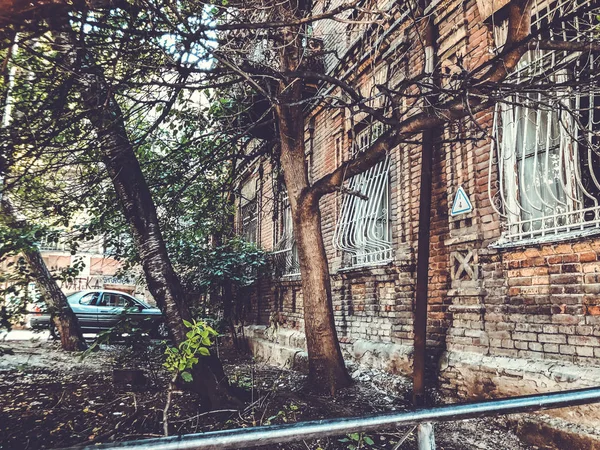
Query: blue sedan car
{"points": [[99, 310]]}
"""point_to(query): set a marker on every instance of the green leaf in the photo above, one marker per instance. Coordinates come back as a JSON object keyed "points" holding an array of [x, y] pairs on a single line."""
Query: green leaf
{"points": [[204, 351], [368, 440], [187, 324], [186, 376]]}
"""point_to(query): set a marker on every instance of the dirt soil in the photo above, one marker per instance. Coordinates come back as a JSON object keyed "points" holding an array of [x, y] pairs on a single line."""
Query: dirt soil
{"points": [[51, 399]]}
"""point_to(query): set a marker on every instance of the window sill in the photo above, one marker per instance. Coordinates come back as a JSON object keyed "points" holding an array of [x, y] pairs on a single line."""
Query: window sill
{"points": [[541, 240], [369, 269], [292, 278]]}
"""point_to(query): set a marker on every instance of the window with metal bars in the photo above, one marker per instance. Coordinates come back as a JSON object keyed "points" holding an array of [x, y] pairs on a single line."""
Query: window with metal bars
{"points": [[53, 243], [285, 252], [363, 230], [249, 220], [546, 145]]}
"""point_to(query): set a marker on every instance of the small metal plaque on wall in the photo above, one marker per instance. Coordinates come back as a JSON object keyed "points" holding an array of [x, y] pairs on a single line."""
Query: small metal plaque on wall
{"points": [[461, 204]]}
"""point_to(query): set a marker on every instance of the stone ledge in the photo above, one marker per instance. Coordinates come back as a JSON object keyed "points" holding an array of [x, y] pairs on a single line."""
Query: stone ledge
{"points": [[275, 352], [549, 433], [289, 280], [478, 377], [282, 336], [466, 308], [383, 269], [287, 348], [393, 358], [467, 292], [461, 239]]}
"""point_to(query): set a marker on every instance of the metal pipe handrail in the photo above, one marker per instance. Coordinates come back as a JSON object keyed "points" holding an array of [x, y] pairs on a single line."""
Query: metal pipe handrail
{"points": [[276, 434]]}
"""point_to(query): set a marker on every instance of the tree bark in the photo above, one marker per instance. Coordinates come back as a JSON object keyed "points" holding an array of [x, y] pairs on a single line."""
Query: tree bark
{"points": [[118, 155], [327, 371], [71, 338]]}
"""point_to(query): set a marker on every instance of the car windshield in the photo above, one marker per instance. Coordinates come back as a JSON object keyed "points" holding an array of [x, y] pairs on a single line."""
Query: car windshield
{"points": [[143, 303]]}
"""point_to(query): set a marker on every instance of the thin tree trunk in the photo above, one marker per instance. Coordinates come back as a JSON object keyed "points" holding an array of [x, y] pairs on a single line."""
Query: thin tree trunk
{"points": [[71, 338], [224, 294], [326, 369], [118, 155], [229, 313]]}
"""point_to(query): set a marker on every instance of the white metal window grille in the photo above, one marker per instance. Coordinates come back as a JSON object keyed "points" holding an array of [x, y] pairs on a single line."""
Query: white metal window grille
{"points": [[363, 230], [249, 220], [53, 245], [363, 139], [285, 252], [546, 146]]}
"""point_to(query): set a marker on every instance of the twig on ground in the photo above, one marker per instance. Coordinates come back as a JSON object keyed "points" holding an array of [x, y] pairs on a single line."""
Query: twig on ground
{"points": [[59, 400], [217, 411], [401, 441]]}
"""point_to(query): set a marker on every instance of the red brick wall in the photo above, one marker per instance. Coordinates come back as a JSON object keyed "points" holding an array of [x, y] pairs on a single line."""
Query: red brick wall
{"points": [[525, 311], [488, 307]]}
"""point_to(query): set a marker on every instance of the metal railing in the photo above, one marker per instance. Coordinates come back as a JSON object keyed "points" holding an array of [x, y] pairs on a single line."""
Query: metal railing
{"points": [[277, 434]]}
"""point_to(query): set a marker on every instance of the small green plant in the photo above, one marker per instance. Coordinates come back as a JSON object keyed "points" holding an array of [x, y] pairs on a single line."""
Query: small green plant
{"points": [[182, 358], [242, 381], [287, 414], [356, 441]]}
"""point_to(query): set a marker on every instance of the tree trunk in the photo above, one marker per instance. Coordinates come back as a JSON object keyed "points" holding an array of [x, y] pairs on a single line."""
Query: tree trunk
{"points": [[229, 313], [224, 293], [326, 369], [71, 338], [118, 155]]}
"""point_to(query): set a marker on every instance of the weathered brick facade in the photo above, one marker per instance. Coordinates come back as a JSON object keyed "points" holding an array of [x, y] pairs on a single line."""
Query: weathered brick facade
{"points": [[502, 321]]}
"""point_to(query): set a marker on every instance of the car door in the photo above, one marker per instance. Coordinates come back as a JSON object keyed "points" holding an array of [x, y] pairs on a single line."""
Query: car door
{"points": [[86, 310], [114, 307]]}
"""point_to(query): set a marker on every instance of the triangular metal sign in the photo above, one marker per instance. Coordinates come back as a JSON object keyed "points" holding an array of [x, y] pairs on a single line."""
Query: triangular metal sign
{"points": [[462, 204]]}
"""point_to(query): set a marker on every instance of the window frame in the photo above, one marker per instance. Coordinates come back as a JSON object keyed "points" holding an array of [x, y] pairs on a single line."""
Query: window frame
{"points": [[562, 185], [285, 251], [367, 198]]}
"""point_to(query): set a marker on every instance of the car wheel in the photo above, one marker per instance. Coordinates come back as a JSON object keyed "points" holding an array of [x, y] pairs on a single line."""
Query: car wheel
{"points": [[160, 331], [54, 333]]}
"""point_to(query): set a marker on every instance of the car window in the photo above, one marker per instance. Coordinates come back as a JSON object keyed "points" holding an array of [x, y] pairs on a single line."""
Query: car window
{"points": [[116, 300], [89, 299]]}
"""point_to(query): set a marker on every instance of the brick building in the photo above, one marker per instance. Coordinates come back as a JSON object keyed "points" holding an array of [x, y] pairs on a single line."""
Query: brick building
{"points": [[97, 269], [514, 283]]}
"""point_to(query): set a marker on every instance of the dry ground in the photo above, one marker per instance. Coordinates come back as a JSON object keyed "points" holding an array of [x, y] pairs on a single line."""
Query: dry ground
{"points": [[50, 399]]}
